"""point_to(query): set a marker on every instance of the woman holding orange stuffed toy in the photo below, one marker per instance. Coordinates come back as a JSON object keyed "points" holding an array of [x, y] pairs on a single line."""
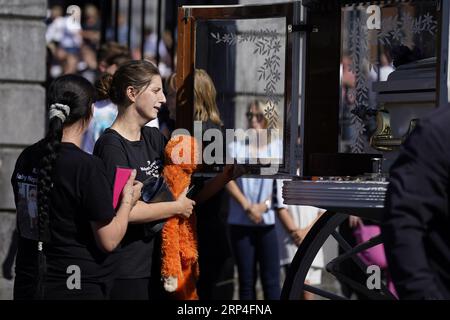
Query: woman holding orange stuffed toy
{"points": [[136, 88], [215, 258], [215, 255]]}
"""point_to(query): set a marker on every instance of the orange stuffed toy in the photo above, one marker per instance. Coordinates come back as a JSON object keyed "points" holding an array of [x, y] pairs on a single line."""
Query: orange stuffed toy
{"points": [[179, 265]]}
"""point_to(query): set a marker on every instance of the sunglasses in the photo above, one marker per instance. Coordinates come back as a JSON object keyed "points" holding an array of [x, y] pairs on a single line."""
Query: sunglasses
{"points": [[259, 116]]}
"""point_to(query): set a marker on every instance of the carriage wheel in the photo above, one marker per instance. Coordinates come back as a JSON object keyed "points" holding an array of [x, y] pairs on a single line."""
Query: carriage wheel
{"points": [[325, 227]]}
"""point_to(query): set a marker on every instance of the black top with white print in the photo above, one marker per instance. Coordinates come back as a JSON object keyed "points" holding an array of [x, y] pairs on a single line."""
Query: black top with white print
{"points": [[147, 157], [81, 194]]}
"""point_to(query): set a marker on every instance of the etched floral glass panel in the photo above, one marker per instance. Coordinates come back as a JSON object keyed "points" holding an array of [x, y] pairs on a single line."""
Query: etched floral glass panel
{"points": [[378, 37], [246, 61]]}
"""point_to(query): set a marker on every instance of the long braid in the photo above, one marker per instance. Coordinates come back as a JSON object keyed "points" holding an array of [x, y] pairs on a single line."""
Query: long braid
{"points": [[52, 143], [45, 184]]}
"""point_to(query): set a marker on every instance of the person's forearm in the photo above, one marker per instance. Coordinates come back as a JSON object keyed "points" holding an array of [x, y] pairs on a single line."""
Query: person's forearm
{"points": [[286, 220], [146, 212], [120, 224], [211, 187], [237, 194], [108, 235]]}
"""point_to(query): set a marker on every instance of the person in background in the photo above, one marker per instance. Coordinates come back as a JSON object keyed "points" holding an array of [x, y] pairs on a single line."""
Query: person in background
{"points": [[122, 36], [105, 111], [293, 224], [65, 33], [150, 53], [215, 254], [251, 215], [55, 11], [106, 52], [87, 66], [167, 114], [91, 27], [215, 257]]}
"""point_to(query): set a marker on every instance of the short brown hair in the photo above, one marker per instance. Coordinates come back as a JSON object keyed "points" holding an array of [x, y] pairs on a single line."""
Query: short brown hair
{"points": [[111, 49], [136, 73]]}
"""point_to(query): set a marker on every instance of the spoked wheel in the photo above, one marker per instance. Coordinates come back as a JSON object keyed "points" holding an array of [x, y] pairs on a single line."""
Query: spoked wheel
{"points": [[294, 284]]}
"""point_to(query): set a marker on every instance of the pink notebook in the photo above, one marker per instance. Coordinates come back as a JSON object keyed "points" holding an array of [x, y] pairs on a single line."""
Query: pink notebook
{"points": [[122, 175]]}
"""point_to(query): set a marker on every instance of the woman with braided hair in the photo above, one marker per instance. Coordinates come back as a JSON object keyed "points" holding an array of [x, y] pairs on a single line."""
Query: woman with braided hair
{"points": [[65, 254]]}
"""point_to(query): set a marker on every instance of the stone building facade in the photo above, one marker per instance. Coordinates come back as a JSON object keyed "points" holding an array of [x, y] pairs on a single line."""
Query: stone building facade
{"points": [[22, 100]]}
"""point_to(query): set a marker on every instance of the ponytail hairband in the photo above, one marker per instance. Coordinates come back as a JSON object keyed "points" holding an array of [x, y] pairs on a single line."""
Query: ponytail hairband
{"points": [[59, 110]]}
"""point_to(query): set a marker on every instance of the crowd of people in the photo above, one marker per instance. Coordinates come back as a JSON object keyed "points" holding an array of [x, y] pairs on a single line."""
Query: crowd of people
{"points": [[73, 39], [111, 121], [108, 108]]}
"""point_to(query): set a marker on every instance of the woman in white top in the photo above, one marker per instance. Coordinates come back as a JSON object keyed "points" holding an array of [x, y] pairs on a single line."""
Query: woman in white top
{"points": [[294, 222], [251, 217]]}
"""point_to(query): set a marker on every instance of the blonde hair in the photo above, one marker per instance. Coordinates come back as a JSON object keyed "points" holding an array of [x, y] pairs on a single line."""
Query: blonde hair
{"points": [[171, 83], [205, 98]]}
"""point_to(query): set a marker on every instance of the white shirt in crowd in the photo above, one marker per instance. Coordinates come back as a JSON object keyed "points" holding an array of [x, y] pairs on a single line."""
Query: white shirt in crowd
{"points": [[302, 216]]}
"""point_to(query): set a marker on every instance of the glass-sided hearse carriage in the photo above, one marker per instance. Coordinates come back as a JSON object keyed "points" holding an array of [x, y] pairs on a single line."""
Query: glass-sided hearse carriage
{"points": [[343, 84]]}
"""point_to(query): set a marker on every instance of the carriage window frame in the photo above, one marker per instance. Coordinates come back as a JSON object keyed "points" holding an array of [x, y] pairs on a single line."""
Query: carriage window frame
{"points": [[187, 18]]}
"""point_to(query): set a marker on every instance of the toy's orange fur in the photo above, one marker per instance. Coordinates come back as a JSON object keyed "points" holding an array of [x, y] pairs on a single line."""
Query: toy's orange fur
{"points": [[179, 240]]}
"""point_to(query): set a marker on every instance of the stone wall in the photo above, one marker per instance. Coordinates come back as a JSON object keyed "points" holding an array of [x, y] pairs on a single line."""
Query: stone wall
{"points": [[22, 101]]}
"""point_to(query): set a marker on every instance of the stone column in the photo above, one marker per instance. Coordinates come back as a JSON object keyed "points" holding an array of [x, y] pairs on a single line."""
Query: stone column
{"points": [[22, 101]]}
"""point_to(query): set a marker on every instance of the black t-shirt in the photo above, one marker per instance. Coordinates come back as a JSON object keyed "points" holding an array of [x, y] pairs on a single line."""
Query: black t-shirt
{"points": [[212, 222], [81, 193], [146, 156]]}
